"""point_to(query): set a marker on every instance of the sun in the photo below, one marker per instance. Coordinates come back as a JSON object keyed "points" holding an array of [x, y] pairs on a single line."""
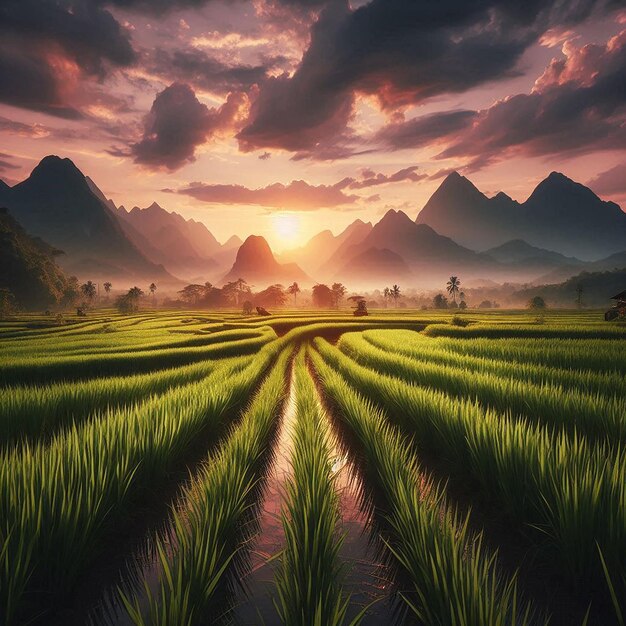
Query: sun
{"points": [[286, 226]]}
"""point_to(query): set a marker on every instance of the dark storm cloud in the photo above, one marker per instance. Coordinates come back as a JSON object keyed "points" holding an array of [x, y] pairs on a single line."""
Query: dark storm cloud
{"points": [[424, 130], [577, 106], [46, 45], [206, 72], [403, 52], [178, 123]]}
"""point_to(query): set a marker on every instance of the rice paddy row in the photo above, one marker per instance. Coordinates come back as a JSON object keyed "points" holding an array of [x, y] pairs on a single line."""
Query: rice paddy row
{"points": [[95, 417]]}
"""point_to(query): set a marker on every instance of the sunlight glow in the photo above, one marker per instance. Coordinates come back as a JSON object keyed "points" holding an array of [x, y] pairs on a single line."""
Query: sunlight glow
{"points": [[286, 226]]}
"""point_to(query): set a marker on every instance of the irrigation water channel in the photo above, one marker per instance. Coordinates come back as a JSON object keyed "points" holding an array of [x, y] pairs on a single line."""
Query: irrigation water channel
{"points": [[364, 580]]}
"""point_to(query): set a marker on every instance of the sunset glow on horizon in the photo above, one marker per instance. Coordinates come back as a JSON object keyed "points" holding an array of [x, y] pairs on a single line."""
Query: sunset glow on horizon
{"points": [[232, 113]]}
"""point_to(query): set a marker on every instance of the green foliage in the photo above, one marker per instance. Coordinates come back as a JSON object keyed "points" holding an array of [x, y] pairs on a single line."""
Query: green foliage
{"points": [[307, 582], [454, 579], [27, 267]]}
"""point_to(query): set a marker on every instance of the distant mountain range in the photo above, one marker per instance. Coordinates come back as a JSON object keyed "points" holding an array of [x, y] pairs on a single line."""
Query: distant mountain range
{"points": [[559, 215], [563, 228], [185, 247], [57, 204], [256, 264]]}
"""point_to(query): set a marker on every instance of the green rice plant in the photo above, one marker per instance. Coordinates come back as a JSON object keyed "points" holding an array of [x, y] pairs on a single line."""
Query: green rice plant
{"points": [[574, 354], [593, 415], [32, 412], [454, 579], [194, 556], [82, 366], [308, 580], [510, 331], [417, 346], [572, 492], [57, 499]]}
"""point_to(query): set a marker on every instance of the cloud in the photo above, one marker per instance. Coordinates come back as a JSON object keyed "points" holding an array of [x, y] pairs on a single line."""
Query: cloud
{"points": [[611, 182], [5, 162], [48, 46], [204, 71], [425, 130], [400, 52], [178, 123], [369, 178], [297, 195], [576, 106]]}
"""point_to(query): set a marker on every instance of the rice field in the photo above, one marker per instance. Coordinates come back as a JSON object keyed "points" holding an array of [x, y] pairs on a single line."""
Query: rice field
{"points": [[311, 469]]}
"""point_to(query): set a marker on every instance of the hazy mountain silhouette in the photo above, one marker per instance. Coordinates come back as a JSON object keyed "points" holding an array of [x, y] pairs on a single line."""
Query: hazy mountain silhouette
{"points": [[255, 263], [226, 255], [185, 247], [56, 203], [378, 265], [559, 215], [566, 216], [317, 255], [27, 266], [430, 257]]}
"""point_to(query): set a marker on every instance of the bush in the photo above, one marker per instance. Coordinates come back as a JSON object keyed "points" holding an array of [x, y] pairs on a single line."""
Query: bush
{"points": [[537, 303], [457, 320]]}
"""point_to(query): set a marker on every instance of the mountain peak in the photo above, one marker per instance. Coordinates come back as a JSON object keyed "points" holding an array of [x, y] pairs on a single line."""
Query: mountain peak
{"points": [[395, 217], [61, 171], [254, 249]]}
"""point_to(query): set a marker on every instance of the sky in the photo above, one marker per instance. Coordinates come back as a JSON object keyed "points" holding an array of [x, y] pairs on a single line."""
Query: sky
{"points": [[286, 117]]}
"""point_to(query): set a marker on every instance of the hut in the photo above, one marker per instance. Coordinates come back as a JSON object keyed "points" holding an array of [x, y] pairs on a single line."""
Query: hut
{"points": [[618, 309]]}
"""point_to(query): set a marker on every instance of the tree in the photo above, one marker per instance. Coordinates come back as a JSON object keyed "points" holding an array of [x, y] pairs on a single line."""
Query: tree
{"points": [[129, 302], [579, 295], [537, 303], [462, 305], [7, 303], [248, 307], [440, 301], [70, 293], [152, 287], [394, 292], [339, 291], [294, 290], [485, 304], [386, 295], [452, 287], [89, 290], [274, 295], [107, 287], [192, 293], [322, 296]]}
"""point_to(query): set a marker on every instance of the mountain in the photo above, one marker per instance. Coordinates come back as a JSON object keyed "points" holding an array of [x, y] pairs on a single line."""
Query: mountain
{"points": [[185, 247], [378, 265], [225, 257], [460, 211], [27, 267], [316, 256], [597, 289], [57, 204], [563, 215], [559, 215], [431, 257], [255, 263]]}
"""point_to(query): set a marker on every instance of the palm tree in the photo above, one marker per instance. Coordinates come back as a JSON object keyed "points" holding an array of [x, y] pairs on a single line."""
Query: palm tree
{"points": [[453, 287], [386, 295], [579, 295], [89, 290], [294, 290], [107, 287], [152, 287], [395, 293]]}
